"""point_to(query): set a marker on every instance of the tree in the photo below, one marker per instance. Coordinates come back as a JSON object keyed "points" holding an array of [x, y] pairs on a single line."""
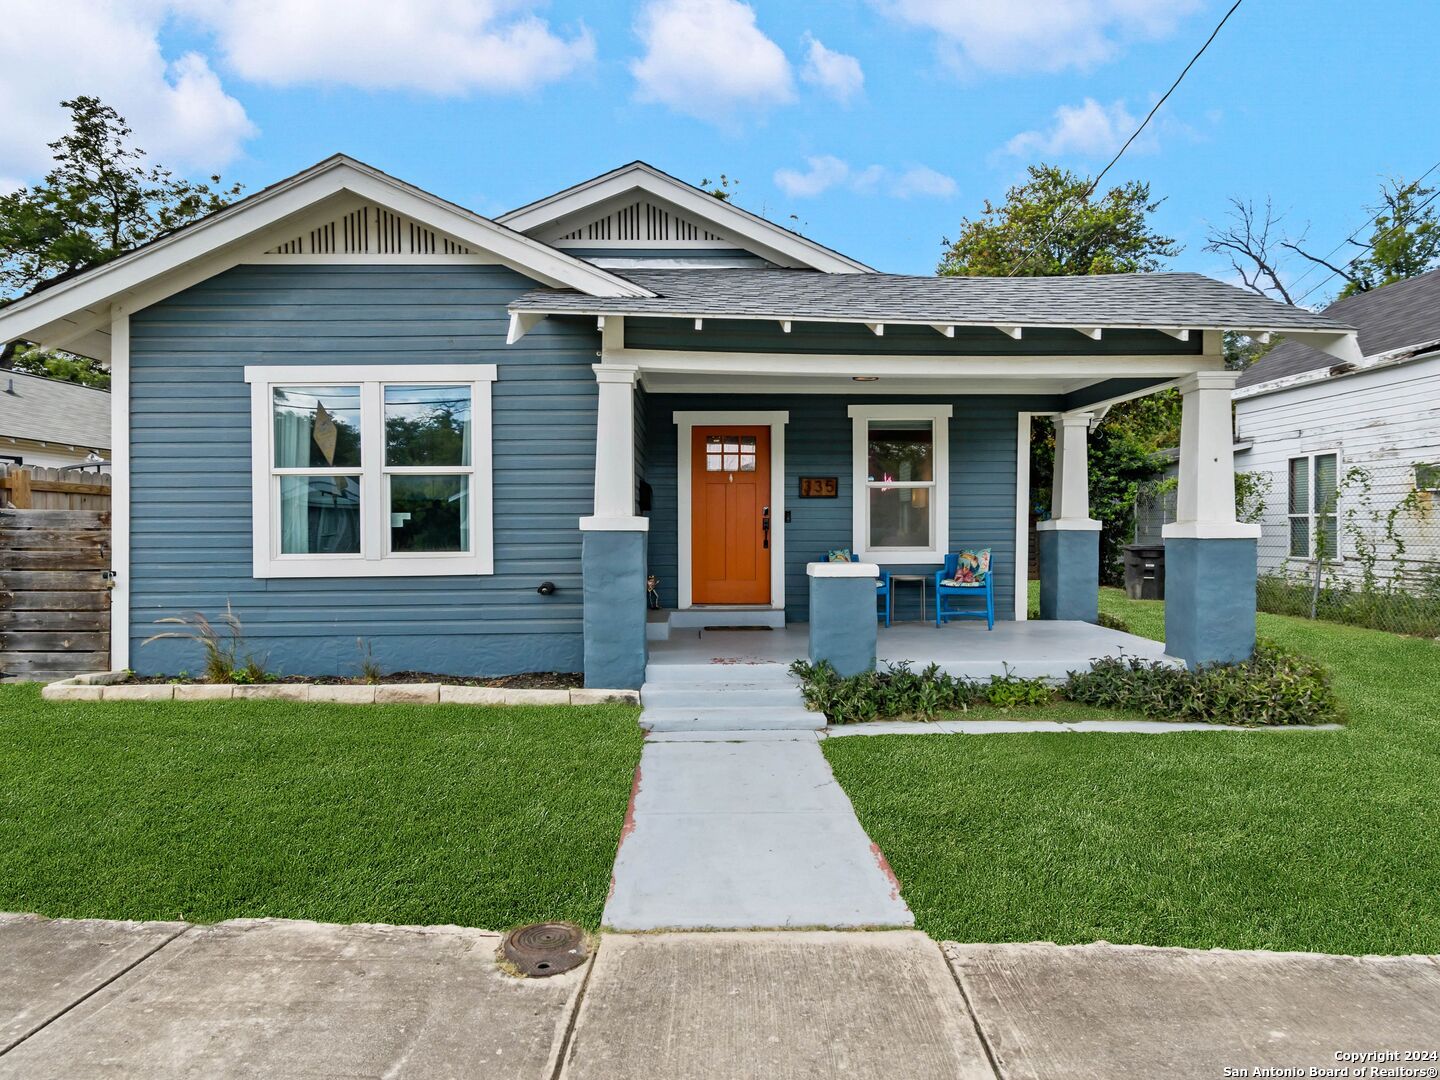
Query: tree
{"points": [[1053, 225], [1404, 242], [29, 360], [99, 200]]}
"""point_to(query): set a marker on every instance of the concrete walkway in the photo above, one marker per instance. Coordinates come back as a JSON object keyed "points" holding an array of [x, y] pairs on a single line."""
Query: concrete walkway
{"points": [[746, 834], [294, 999]]}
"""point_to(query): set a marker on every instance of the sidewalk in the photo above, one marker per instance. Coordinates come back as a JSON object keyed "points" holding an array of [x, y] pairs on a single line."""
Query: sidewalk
{"points": [[277, 998]]}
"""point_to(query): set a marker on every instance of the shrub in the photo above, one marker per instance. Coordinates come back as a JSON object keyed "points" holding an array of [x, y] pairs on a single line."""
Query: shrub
{"points": [[899, 693], [1274, 687]]}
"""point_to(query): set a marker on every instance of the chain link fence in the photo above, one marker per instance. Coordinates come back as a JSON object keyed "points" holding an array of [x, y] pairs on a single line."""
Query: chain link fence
{"points": [[1357, 544]]}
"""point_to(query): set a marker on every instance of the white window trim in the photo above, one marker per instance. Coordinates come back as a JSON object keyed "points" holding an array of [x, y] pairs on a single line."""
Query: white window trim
{"points": [[1338, 555], [375, 559], [860, 417], [685, 423]]}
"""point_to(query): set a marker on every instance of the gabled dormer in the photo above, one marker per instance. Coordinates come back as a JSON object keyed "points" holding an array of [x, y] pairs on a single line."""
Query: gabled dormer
{"points": [[638, 216]]}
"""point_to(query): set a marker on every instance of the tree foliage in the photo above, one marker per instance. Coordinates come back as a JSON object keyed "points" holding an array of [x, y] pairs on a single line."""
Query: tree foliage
{"points": [[1054, 224], [29, 360], [100, 199]]}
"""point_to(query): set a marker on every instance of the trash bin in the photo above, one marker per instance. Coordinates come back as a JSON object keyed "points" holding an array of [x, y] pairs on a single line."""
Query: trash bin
{"points": [[1145, 571]]}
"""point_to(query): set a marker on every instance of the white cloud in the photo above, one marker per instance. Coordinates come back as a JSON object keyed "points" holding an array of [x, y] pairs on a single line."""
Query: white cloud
{"points": [[821, 174], [434, 46], [1037, 35], [177, 107], [925, 181], [1086, 130], [826, 171], [708, 59], [837, 73]]}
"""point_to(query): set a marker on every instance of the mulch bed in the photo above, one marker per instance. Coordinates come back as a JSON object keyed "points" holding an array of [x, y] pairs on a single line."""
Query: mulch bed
{"points": [[530, 680]]}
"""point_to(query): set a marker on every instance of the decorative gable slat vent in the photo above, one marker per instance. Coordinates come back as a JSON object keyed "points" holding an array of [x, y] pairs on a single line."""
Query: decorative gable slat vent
{"points": [[371, 230], [641, 221]]}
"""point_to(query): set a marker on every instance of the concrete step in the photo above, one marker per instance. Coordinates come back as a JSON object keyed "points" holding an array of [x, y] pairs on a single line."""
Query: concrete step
{"points": [[699, 618], [735, 718], [764, 674], [732, 735], [665, 695]]}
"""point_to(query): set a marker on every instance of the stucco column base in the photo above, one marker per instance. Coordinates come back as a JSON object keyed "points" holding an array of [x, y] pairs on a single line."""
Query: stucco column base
{"points": [[1069, 573], [1210, 599], [613, 565], [842, 616]]}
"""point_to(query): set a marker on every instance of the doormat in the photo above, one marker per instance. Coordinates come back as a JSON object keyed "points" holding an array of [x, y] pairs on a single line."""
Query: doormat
{"points": [[728, 628]]}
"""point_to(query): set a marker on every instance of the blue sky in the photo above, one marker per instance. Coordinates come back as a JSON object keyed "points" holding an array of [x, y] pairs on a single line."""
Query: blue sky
{"points": [[878, 123]]}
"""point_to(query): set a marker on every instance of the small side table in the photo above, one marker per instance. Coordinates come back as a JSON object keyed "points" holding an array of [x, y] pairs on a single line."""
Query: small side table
{"points": [[923, 579]]}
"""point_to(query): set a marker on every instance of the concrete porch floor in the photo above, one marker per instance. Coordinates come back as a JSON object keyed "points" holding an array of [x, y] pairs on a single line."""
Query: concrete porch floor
{"points": [[1030, 649]]}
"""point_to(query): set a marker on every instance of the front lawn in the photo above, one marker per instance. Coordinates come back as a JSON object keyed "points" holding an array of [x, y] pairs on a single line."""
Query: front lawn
{"points": [[1325, 841], [485, 817]]}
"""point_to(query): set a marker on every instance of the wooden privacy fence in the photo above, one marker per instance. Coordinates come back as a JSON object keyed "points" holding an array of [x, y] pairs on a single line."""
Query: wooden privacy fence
{"points": [[27, 487], [54, 580]]}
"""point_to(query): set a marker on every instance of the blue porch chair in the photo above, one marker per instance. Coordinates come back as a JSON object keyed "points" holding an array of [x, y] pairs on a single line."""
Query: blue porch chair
{"points": [[882, 583], [966, 575]]}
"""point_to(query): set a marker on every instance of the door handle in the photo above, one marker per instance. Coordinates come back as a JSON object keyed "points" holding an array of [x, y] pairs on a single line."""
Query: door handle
{"points": [[765, 526]]}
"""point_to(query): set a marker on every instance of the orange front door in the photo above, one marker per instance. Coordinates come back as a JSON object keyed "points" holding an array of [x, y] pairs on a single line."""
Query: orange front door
{"points": [[730, 515]]}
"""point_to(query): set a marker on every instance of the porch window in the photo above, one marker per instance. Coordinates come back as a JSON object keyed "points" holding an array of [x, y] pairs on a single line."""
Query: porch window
{"points": [[901, 465], [1311, 498], [371, 471]]}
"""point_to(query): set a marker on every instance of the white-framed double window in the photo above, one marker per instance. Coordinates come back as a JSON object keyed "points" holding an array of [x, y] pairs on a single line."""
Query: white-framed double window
{"points": [[901, 471], [1312, 495], [371, 471]]}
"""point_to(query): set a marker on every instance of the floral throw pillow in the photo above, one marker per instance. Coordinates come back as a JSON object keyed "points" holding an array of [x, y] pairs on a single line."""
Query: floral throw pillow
{"points": [[838, 555], [972, 568]]}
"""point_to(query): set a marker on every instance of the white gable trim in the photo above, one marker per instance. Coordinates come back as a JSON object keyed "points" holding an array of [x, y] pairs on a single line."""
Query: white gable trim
{"points": [[569, 208], [224, 239]]}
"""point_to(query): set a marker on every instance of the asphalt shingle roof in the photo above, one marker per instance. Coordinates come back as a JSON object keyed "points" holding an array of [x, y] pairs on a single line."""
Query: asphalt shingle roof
{"points": [[50, 410], [1116, 300], [1394, 317]]}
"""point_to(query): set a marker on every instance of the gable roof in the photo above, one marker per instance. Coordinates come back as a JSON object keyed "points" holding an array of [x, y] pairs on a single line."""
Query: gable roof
{"points": [[1399, 316], [765, 238], [1154, 301], [54, 411], [76, 306]]}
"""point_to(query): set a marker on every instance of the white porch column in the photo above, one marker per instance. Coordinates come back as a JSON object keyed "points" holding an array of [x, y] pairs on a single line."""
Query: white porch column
{"points": [[1070, 541], [1070, 498], [615, 449], [1205, 499], [1209, 555]]}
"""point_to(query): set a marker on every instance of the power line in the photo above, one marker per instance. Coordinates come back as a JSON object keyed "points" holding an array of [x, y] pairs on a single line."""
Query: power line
{"points": [[1363, 225], [1134, 135], [1370, 245]]}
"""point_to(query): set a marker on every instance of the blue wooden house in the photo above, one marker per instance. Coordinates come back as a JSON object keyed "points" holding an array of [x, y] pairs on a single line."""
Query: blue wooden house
{"points": [[356, 411]]}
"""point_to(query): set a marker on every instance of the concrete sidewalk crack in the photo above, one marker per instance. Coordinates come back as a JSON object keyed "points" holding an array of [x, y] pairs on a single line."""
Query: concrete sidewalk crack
{"points": [[43, 1024], [974, 1016], [562, 1054]]}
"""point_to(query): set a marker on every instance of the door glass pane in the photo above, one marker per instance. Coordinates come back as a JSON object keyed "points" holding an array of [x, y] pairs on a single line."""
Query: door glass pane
{"points": [[901, 450], [1300, 537], [429, 513], [1299, 485], [900, 517], [319, 515], [714, 453], [747, 453], [317, 427], [427, 425]]}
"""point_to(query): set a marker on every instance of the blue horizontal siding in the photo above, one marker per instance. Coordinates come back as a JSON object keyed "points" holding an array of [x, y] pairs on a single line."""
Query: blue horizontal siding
{"points": [[190, 475], [818, 441]]}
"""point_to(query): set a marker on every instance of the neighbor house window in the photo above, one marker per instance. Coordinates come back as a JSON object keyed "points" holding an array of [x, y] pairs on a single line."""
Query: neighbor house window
{"points": [[371, 471], [1312, 493], [901, 482]]}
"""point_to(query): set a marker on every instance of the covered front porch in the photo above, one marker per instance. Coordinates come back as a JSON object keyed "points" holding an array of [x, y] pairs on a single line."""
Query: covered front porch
{"points": [[1036, 649], [745, 444]]}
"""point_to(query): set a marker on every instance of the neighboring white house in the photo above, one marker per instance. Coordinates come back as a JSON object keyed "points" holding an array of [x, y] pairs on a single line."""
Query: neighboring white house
{"points": [[1351, 451], [52, 423]]}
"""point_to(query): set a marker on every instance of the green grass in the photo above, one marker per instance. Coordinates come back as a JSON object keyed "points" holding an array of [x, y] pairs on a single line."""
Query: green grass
{"points": [[1325, 841], [484, 817]]}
